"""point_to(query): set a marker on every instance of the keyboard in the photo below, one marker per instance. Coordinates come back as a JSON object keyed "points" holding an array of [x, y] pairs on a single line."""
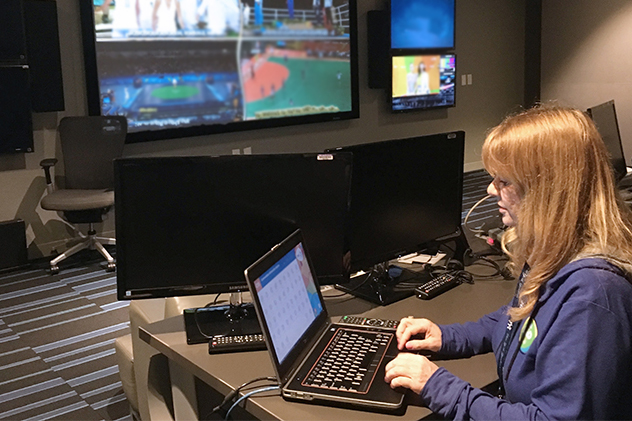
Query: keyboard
{"points": [[350, 361]]}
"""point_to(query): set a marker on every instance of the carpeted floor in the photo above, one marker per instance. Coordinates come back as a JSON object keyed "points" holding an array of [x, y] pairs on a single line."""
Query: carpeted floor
{"points": [[57, 345]]}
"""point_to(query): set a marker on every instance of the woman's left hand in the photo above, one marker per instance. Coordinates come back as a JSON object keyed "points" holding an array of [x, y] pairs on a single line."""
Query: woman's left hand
{"points": [[411, 371]]}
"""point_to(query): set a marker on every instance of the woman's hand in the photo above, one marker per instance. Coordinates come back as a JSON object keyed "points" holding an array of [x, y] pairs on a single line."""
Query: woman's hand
{"points": [[411, 371], [418, 335]]}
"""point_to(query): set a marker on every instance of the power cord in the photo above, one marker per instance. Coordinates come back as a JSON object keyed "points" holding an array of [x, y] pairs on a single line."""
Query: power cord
{"points": [[197, 319], [249, 394], [375, 273], [235, 392], [472, 258]]}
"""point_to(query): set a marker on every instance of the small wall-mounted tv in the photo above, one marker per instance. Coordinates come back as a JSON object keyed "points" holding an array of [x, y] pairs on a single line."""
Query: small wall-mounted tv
{"points": [[422, 24], [423, 81], [179, 68]]}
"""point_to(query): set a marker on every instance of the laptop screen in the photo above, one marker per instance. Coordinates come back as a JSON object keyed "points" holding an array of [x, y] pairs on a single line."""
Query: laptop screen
{"points": [[289, 300]]}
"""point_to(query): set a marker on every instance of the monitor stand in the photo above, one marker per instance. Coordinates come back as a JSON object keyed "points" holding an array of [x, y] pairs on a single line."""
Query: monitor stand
{"points": [[235, 318], [382, 284]]}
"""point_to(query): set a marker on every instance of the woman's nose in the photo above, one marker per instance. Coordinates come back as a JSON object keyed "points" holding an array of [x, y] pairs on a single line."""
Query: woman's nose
{"points": [[491, 189]]}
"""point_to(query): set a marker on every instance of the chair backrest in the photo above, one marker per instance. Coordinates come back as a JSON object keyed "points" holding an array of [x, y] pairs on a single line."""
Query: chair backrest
{"points": [[89, 145]]}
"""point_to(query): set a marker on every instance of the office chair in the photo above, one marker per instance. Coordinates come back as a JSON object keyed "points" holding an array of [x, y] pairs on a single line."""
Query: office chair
{"points": [[89, 145]]}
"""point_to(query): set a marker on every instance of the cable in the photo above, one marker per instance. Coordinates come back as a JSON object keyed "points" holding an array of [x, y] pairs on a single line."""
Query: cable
{"points": [[235, 392], [197, 320], [370, 276], [249, 394], [499, 271]]}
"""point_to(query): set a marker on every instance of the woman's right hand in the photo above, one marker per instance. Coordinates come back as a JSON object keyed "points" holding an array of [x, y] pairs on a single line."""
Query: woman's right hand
{"points": [[418, 335]]}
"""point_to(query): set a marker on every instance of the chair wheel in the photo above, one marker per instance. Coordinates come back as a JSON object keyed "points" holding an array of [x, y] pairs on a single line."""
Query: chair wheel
{"points": [[54, 270], [111, 267]]}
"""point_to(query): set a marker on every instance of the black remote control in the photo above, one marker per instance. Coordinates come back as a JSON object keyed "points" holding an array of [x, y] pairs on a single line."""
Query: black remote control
{"points": [[368, 321], [236, 343], [436, 286]]}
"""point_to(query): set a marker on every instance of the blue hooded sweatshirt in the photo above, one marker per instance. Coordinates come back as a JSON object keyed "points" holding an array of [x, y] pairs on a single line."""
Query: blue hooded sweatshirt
{"points": [[574, 360]]}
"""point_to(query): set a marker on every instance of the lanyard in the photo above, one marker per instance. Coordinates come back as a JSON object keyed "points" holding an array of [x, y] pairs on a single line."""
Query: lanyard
{"points": [[510, 332]]}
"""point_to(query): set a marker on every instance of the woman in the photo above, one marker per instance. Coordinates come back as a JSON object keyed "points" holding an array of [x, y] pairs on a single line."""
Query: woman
{"points": [[563, 346], [422, 85], [165, 15]]}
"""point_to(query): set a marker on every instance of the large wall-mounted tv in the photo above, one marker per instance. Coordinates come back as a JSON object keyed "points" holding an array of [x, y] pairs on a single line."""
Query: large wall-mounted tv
{"points": [[422, 24], [179, 68], [423, 81]]}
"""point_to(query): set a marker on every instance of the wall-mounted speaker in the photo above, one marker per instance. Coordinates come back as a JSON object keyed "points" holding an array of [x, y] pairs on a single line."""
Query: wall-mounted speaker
{"points": [[16, 127], [379, 43], [12, 41], [44, 59]]}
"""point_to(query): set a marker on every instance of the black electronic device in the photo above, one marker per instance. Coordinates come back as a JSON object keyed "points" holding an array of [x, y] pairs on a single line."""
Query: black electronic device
{"points": [[191, 225], [12, 35], [314, 359], [220, 66], [236, 343], [202, 324], [16, 127], [44, 57], [423, 81], [405, 195], [378, 48], [437, 285], [13, 252], [369, 321], [605, 118], [422, 24]]}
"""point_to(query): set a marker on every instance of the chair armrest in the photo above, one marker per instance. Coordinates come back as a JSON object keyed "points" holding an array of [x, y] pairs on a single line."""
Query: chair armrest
{"points": [[46, 164]]}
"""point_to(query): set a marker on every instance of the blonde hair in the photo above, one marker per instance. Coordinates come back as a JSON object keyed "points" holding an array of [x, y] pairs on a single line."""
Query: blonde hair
{"points": [[570, 208]]}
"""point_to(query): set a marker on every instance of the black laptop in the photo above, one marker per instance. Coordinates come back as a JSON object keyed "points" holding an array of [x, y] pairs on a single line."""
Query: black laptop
{"points": [[315, 359]]}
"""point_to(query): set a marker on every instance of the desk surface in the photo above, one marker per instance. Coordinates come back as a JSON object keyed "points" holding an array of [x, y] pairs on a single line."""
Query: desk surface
{"points": [[225, 372]]}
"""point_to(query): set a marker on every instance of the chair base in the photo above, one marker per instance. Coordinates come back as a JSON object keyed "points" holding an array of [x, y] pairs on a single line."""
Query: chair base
{"points": [[90, 241]]}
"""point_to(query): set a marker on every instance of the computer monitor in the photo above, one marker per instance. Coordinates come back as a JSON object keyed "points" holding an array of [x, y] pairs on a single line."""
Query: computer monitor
{"points": [[605, 117], [423, 81], [192, 225], [405, 194]]}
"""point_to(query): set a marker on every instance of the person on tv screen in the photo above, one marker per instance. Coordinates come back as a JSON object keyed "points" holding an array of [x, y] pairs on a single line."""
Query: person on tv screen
{"points": [[218, 16], [318, 12], [290, 8], [145, 13], [166, 13], [259, 13], [126, 17], [564, 344], [190, 15], [103, 6], [422, 84], [411, 79]]}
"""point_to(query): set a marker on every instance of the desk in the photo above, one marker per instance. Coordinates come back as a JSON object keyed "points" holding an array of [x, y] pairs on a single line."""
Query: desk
{"points": [[225, 372]]}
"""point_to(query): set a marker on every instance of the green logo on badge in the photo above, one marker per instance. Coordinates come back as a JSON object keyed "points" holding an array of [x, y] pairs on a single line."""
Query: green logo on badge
{"points": [[529, 336]]}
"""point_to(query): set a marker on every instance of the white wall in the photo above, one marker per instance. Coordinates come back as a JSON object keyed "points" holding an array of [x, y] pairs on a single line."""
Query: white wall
{"points": [[587, 56], [490, 47]]}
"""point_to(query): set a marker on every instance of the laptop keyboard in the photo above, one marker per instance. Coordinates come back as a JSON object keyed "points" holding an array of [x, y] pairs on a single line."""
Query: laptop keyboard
{"points": [[350, 361]]}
